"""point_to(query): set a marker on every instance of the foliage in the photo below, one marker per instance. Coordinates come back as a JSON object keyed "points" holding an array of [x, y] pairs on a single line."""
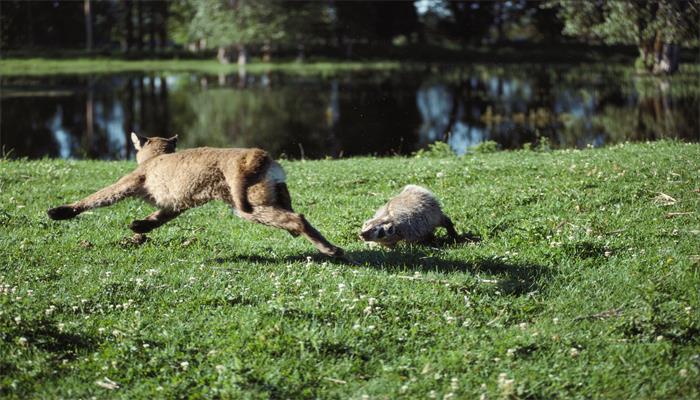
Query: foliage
{"points": [[632, 22], [223, 23], [485, 147], [582, 262], [436, 150]]}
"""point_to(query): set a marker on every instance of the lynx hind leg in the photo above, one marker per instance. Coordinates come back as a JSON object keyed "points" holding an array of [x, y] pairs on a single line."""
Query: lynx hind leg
{"points": [[251, 169], [295, 224], [153, 221], [123, 188], [447, 224], [284, 201]]}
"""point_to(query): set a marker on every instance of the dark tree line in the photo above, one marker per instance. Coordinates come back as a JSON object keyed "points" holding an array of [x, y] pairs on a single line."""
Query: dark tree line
{"points": [[126, 25], [237, 28]]}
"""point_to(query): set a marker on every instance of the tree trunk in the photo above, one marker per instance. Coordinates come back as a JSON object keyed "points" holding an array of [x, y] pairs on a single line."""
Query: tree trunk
{"points": [[163, 25], [128, 4], [30, 24], [143, 112], [164, 103], [659, 57], [139, 25], [266, 51], [666, 59], [152, 26], [88, 25], [128, 123], [222, 55], [242, 55], [88, 140]]}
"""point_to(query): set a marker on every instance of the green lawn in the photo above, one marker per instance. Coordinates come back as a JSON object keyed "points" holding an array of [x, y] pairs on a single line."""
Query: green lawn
{"points": [[584, 285]]}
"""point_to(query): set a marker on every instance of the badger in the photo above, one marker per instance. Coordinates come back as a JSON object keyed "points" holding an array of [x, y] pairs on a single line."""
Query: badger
{"points": [[412, 216]]}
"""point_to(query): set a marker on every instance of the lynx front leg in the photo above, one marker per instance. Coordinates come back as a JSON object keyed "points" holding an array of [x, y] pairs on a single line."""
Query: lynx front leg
{"points": [[129, 185], [153, 221], [295, 224]]}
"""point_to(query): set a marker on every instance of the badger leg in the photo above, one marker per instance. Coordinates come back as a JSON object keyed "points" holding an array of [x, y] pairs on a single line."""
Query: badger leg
{"points": [[295, 224], [153, 221], [447, 224]]}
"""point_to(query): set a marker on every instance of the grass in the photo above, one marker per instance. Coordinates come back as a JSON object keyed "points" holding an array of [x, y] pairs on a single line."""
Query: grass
{"points": [[48, 66], [584, 285]]}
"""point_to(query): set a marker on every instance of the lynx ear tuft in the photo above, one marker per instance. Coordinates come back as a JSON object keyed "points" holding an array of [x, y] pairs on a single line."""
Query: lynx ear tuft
{"points": [[138, 141]]}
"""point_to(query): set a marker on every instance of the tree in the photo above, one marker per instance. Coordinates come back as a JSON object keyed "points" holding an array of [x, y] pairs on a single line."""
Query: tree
{"points": [[373, 21], [658, 28], [471, 20], [88, 25], [239, 24]]}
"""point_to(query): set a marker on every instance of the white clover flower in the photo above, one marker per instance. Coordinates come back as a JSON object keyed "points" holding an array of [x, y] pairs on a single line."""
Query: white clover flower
{"points": [[184, 365], [22, 341], [574, 352], [505, 385]]}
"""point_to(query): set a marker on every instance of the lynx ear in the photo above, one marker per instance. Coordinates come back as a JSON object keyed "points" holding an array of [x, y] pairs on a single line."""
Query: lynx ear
{"points": [[138, 141], [173, 140]]}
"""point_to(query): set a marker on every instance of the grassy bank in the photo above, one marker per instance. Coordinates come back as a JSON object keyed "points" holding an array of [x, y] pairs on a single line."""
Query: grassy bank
{"points": [[585, 284], [47, 66]]}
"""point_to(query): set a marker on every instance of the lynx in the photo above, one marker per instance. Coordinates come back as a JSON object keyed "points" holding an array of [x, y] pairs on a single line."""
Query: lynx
{"points": [[412, 216], [247, 179]]}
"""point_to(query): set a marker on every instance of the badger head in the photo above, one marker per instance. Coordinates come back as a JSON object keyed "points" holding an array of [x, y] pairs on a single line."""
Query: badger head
{"points": [[379, 230]]}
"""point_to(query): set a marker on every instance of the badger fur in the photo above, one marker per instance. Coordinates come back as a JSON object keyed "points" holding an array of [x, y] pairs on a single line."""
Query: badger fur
{"points": [[412, 216]]}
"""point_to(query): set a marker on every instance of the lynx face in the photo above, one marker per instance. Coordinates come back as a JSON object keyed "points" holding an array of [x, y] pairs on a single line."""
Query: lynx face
{"points": [[380, 231], [147, 148]]}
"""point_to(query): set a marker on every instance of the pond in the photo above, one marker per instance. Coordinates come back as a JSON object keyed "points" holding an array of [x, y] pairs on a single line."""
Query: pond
{"points": [[349, 113]]}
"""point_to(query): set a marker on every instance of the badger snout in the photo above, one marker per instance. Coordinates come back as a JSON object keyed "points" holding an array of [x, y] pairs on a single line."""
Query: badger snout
{"points": [[366, 235], [373, 234]]}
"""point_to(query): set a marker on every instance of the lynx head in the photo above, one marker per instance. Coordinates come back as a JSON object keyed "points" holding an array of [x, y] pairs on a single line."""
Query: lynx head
{"points": [[380, 230], [147, 148]]}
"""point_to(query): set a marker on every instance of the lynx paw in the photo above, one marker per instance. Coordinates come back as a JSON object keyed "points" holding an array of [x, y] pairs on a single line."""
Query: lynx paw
{"points": [[141, 226], [334, 251], [62, 212]]}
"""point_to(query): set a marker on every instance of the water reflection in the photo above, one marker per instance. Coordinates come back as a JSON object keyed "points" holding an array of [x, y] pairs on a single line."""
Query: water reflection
{"points": [[348, 114]]}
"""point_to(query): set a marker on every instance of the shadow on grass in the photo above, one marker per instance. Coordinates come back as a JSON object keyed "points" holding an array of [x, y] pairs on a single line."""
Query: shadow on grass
{"points": [[46, 336], [511, 278]]}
